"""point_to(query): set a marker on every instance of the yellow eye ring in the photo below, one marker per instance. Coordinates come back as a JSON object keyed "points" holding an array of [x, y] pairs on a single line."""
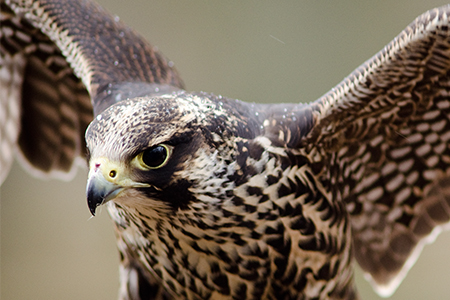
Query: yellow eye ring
{"points": [[154, 157]]}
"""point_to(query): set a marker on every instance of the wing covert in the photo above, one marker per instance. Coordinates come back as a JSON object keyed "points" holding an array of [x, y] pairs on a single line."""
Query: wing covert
{"points": [[59, 61], [385, 131]]}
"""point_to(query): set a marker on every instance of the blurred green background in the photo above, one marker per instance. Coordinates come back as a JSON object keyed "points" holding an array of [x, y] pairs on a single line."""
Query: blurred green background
{"points": [[262, 51]]}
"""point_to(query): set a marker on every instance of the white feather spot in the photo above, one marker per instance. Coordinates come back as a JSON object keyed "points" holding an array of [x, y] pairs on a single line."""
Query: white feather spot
{"points": [[375, 194], [412, 178], [401, 152], [423, 150], [406, 165], [431, 115], [431, 138], [445, 136], [388, 168], [415, 138], [440, 148], [429, 174], [443, 104], [395, 183], [403, 195], [439, 125], [376, 141], [432, 161]]}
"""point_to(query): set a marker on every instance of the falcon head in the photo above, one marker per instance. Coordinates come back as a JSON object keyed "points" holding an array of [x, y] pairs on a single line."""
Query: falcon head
{"points": [[165, 153]]}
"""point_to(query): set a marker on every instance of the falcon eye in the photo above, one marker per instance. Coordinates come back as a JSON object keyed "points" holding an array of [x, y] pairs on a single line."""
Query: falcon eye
{"points": [[155, 157]]}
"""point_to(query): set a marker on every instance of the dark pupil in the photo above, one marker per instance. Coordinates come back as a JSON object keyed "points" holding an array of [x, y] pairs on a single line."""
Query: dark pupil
{"points": [[155, 156]]}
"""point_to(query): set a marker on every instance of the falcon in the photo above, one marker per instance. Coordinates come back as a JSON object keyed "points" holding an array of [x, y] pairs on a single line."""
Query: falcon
{"points": [[215, 198]]}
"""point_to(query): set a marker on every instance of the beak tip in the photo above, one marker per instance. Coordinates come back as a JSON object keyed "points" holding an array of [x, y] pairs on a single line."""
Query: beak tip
{"points": [[92, 210], [92, 206], [94, 199], [99, 191]]}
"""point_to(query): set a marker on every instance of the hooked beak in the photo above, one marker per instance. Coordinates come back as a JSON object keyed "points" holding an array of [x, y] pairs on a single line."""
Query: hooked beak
{"points": [[107, 179], [99, 191]]}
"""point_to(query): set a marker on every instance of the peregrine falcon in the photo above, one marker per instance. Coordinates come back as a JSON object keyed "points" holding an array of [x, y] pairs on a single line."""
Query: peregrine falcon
{"points": [[214, 198]]}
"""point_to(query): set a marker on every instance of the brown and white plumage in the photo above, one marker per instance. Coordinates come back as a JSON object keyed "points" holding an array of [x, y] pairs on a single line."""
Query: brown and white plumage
{"points": [[54, 68], [388, 127], [344, 154]]}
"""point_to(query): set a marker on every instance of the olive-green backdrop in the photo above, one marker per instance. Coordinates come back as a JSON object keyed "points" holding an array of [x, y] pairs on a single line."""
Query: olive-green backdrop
{"points": [[262, 51]]}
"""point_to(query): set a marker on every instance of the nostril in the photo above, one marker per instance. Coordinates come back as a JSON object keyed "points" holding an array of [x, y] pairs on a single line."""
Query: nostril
{"points": [[97, 165], [112, 173]]}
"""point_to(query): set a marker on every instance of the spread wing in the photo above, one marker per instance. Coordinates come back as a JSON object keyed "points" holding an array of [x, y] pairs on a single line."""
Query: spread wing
{"points": [[61, 62], [385, 131]]}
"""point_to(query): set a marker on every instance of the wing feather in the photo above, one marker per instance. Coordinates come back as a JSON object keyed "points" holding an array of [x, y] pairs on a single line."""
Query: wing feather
{"points": [[385, 132], [56, 68]]}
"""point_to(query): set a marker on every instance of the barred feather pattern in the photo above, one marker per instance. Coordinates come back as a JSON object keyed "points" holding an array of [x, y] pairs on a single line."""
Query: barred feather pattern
{"points": [[54, 106], [51, 71], [11, 69], [255, 224], [255, 201], [386, 131]]}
